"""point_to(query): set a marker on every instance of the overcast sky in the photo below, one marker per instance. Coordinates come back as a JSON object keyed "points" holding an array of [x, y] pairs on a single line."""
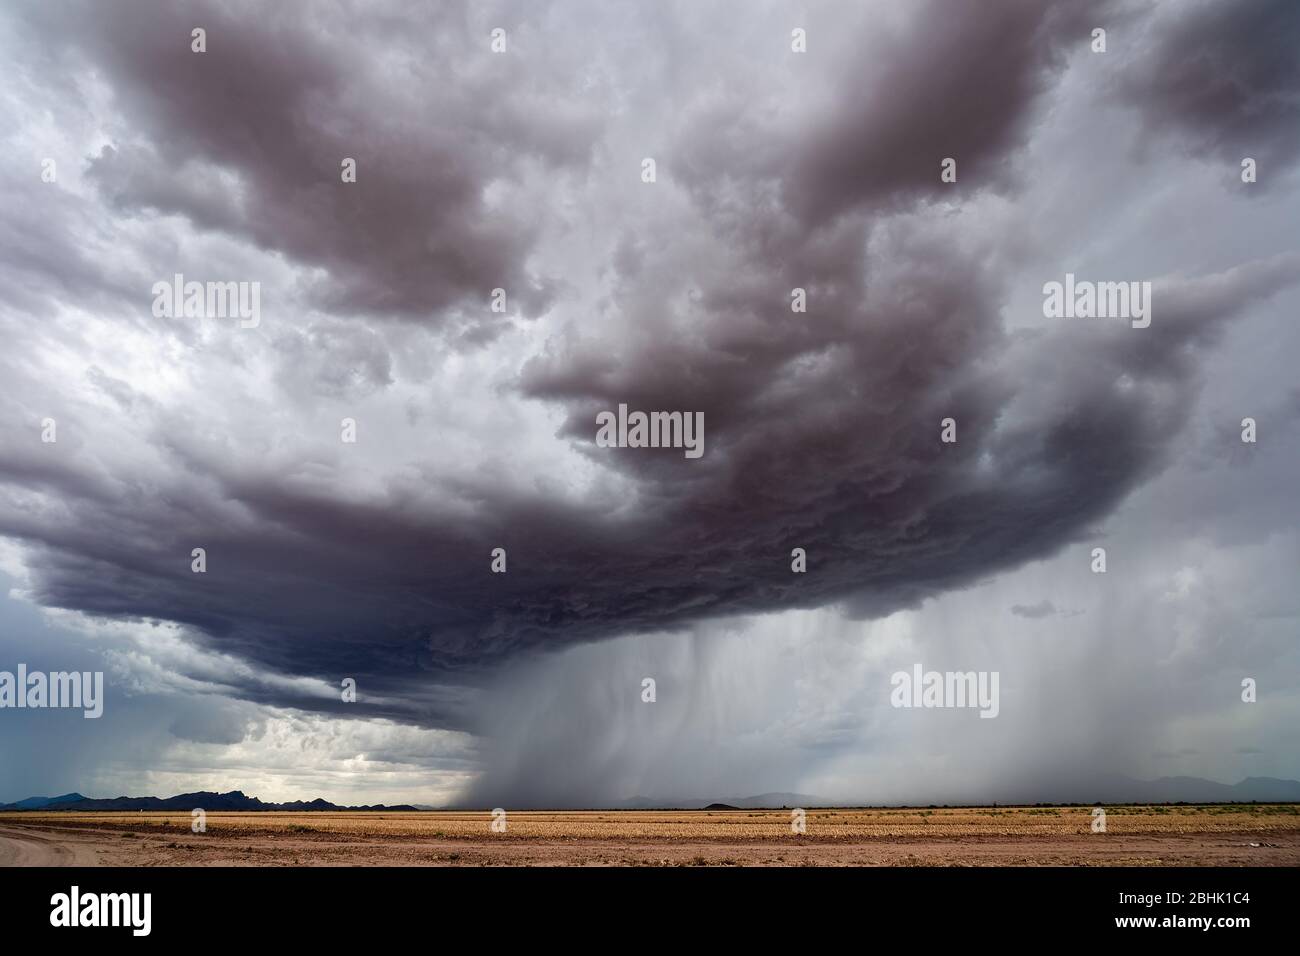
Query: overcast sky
{"points": [[523, 170]]}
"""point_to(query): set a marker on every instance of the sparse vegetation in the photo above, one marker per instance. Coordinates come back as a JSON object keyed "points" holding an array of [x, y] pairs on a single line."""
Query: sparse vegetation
{"points": [[1237, 834]]}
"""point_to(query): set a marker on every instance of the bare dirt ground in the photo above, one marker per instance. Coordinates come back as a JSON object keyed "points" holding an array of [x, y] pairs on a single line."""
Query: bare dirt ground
{"points": [[1028, 836], [35, 848]]}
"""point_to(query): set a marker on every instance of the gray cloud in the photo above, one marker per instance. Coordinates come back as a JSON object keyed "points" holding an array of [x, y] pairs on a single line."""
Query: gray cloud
{"points": [[247, 139], [476, 430], [930, 89], [1224, 76], [1035, 611]]}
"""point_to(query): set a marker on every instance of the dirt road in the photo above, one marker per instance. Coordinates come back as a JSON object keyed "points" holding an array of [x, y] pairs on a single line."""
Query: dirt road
{"points": [[20, 846]]}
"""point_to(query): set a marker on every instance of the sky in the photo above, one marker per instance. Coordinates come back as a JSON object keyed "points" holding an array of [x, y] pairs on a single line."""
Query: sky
{"points": [[795, 146]]}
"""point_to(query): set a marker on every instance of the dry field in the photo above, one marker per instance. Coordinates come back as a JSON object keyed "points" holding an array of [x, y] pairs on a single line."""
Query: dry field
{"points": [[1212, 835]]}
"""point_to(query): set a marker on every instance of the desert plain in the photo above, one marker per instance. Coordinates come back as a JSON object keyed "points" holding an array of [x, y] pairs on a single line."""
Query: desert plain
{"points": [[1219, 835]]}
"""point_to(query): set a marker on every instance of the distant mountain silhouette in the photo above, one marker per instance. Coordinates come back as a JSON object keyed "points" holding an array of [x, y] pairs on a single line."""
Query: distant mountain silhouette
{"points": [[36, 803], [1112, 790], [779, 801], [1190, 790], [1092, 790], [763, 801], [204, 799]]}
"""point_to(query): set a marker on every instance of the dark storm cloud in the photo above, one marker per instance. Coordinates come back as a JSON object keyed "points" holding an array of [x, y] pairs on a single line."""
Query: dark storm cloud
{"points": [[1225, 76], [834, 446], [247, 139], [822, 430], [947, 83]]}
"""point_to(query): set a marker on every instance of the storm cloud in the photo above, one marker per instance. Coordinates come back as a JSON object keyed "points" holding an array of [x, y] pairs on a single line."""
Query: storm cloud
{"points": [[521, 171]]}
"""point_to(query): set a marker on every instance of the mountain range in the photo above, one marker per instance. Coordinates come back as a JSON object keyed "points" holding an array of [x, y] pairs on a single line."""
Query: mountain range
{"points": [[207, 800], [1092, 791], [1109, 790]]}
